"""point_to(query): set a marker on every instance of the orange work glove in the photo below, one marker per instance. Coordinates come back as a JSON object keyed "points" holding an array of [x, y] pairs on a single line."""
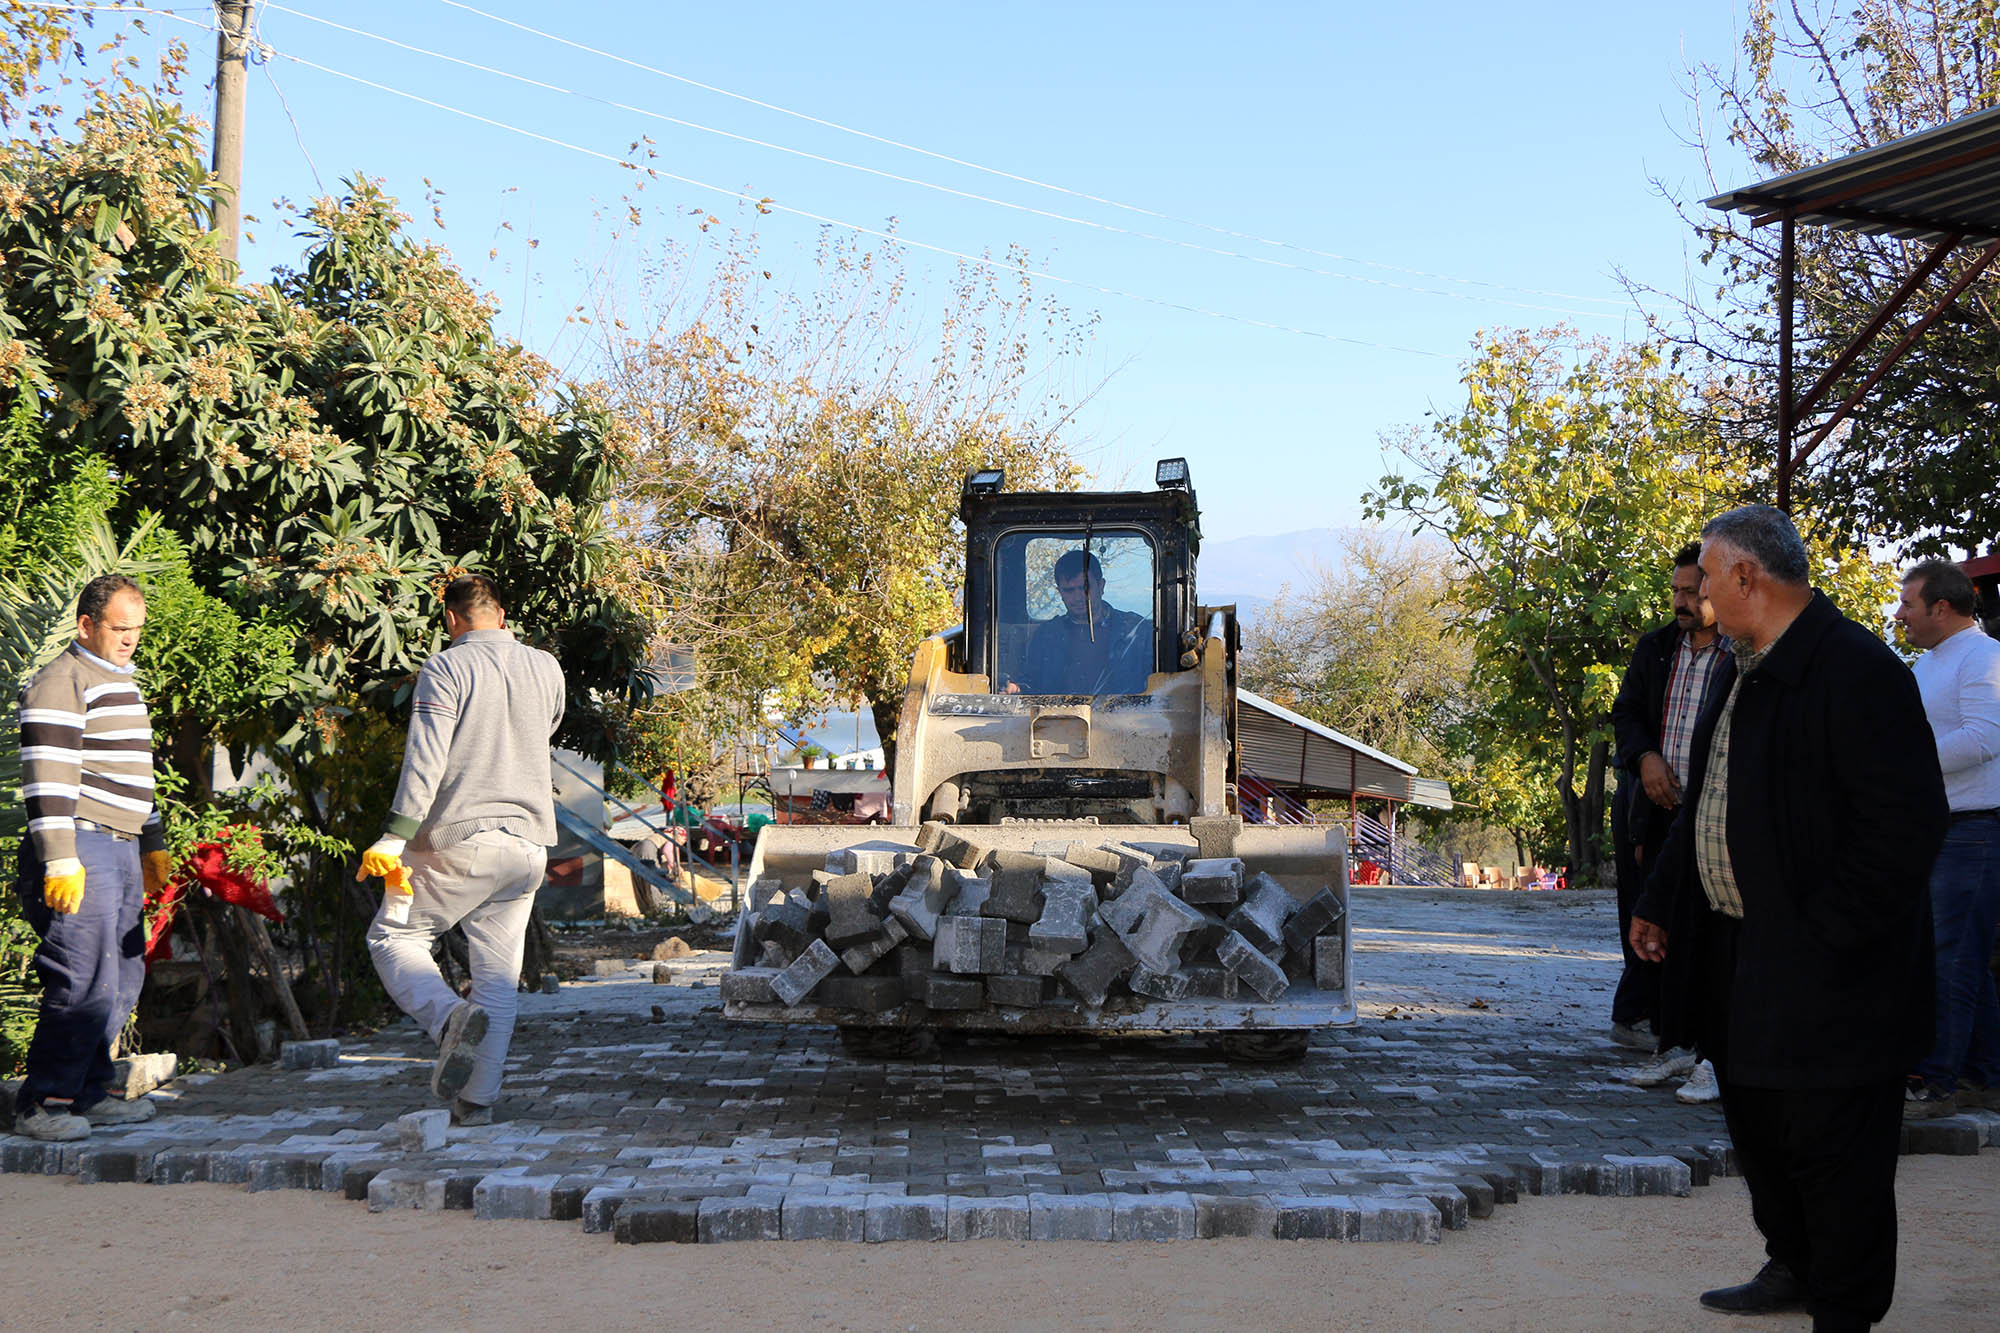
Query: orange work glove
{"points": [[62, 885], [158, 868]]}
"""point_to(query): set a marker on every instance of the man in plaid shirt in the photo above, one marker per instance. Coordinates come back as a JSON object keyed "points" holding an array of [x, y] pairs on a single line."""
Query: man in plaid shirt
{"points": [[1673, 672]]}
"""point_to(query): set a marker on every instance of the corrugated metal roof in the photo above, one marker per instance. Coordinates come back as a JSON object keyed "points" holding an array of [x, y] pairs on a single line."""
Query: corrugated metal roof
{"points": [[1926, 186], [1289, 751]]}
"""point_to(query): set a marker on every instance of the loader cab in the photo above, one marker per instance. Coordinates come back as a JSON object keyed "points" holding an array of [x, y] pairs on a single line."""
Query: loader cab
{"points": [[1078, 593]]}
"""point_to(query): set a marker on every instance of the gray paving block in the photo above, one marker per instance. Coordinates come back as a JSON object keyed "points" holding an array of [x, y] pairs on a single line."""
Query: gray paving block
{"points": [[730, 1219], [322, 1054], [1410, 1220], [182, 1166], [137, 1075], [1652, 1175], [1153, 1217], [517, 1197], [810, 968], [675, 1222], [113, 1165], [749, 985], [1952, 1136], [1312, 1217], [423, 1131], [405, 1188], [1222, 1215], [285, 1171], [1069, 1216], [905, 1217], [824, 1217], [1002, 1217], [1212, 880]]}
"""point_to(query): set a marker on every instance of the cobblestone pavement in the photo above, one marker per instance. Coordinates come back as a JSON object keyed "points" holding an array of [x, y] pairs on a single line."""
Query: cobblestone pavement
{"points": [[1479, 1071]]}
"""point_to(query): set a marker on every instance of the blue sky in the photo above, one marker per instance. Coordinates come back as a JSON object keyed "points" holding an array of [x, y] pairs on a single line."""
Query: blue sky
{"points": [[1509, 146]]}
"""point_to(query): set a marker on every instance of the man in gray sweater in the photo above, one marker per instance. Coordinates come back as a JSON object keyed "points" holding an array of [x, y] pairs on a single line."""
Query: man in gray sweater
{"points": [[468, 834]]}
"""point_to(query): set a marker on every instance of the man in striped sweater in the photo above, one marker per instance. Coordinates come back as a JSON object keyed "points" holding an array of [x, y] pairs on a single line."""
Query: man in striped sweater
{"points": [[92, 851]]}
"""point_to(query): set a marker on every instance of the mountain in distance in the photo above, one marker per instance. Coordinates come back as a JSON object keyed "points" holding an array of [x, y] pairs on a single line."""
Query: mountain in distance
{"points": [[1251, 571]]}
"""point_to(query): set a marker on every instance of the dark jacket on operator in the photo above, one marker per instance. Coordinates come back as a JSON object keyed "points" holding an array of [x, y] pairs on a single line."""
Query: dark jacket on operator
{"points": [[1836, 811]]}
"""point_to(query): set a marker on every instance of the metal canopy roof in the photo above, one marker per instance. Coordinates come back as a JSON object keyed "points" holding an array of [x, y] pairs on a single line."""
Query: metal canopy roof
{"points": [[1934, 186], [1298, 754]]}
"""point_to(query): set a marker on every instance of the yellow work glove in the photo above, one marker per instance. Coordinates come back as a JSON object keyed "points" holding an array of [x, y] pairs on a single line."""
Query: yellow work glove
{"points": [[384, 856], [158, 868], [62, 885]]}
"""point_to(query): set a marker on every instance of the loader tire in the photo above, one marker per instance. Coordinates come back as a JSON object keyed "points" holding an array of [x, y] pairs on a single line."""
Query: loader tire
{"points": [[888, 1043], [1263, 1048]]}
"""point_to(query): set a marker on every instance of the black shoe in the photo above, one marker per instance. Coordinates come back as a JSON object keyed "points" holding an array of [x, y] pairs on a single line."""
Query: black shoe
{"points": [[1772, 1290]]}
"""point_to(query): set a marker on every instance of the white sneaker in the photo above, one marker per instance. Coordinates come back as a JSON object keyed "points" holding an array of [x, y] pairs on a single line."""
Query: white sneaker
{"points": [[1666, 1065], [1701, 1085]]}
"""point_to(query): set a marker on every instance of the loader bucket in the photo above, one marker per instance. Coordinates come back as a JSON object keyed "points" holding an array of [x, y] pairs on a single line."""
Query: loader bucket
{"points": [[1305, 859]]}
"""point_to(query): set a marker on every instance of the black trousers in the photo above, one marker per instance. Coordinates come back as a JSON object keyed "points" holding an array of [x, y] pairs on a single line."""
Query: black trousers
{"points": [[1821, 1167], [1638, 994]]}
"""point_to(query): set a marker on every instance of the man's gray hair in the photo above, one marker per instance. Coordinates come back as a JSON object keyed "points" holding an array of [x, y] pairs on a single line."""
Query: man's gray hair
{"points": [[1765, 535]]}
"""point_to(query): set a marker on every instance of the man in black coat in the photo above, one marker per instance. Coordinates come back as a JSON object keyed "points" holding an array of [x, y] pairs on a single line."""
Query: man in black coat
{"points": [[1673, 672], [1791, 909]]}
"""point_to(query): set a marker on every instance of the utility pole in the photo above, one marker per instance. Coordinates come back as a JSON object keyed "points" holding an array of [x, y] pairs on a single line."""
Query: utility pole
{"points": [[232, 78]]}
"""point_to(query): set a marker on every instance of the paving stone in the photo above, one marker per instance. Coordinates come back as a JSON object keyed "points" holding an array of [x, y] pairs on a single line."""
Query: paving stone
{"points": [[1953, 1136], [174, 1166], [913, 911], [973, 891], [1651, 1175], [324, 1054], [870, 861], [875, 993], [517, 1197], [405, 1188], [136, 1075], [824, 1217], [1244, 961], [750, 985], [1153, 1217], [1033, 962], [349, 1176], [813, 966], [851, 919], [1212, 880], [1329, 962], [423, 1131], [947, 992], [1022, 992], [1101, 863], [30, 1157], [285, 1171], [726, 1219], [1175, 985], [784, 922], [1478, 1194], [113, 1166], [1223, 1215], [1090, 975], [1069, 1216], [676, 1222], [1316, 916], [1267, 906], [1305, 1217], [1005, 1217], [861, 957], [970, 945], [1016, 894], [1064, 924], [910, 1217], [1414, 1221]]}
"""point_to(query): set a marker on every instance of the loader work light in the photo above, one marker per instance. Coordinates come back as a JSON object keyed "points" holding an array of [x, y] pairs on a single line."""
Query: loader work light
{"points": [[985, 481], [1171, 474]]}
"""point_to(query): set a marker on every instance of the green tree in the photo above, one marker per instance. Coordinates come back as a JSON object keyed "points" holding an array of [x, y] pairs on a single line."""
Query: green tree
{"points": [[798, 468], [1819, 80]]}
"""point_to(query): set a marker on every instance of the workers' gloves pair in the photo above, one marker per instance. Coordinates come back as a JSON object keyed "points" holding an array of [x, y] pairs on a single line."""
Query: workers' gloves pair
{"points": [[62, 880]]}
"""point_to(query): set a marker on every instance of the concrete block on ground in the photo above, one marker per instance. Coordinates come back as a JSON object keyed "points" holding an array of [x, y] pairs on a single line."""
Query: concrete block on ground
{"points": [[611, 967], [671, 1221], [813, 966], [912, 910], [1153, 1217], [824, 1217], [522, 1198], [730, 1219], [1223, 1215], [1004, 1217], [405, 1188], [970, 945], [1069, 1216], [1267, 907], [1160, 985], [1064, 925], [973, 891], [285, 1171], [1952, 1136], [100, 1165], [322, 1054], [1016, 895], [786, 922], [1033, 962], [773, 955], [1479, 1195], [1413, 1221], [1122, 913], [1652, 1175], [551, 983], [348, 1175], [750, 985], [1247, 963], [137, 1075], [174, 1166], [870, 861], [905, 1217], [1159, 925], [423, 1131], [1212, 881], [851, 919], [1091, 974], [1317, 1217]]}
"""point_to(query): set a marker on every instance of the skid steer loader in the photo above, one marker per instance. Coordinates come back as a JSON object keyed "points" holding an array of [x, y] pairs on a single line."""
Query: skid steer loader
{"points": [[1065, 853]]}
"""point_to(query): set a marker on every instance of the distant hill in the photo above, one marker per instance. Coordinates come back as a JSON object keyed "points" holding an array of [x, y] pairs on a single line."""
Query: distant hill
{"points": [[1250, 571]]}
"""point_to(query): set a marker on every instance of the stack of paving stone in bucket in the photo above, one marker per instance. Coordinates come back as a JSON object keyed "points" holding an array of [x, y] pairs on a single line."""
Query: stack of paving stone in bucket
{"points": [[1074, 926]]}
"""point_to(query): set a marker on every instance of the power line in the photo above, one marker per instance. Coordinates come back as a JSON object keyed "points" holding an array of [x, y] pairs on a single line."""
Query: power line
{"points": [[1008, 175], [931, 185], [771, 206]]}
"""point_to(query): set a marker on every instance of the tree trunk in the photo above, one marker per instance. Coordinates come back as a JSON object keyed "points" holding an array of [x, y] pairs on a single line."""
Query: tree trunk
{"points": [[1571, 802], [887, 710], [1593, 815]]}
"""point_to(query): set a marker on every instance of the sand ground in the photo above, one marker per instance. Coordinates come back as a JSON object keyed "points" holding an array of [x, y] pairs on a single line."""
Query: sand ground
{"points": [[139, 1256]]}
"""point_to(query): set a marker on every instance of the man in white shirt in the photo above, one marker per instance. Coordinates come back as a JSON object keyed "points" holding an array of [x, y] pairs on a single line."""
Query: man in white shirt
{"points": [[1959, 678]]}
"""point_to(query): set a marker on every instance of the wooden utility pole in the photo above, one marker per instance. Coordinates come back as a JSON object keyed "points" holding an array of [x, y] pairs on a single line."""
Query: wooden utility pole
{"points": [[232, 78]]}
